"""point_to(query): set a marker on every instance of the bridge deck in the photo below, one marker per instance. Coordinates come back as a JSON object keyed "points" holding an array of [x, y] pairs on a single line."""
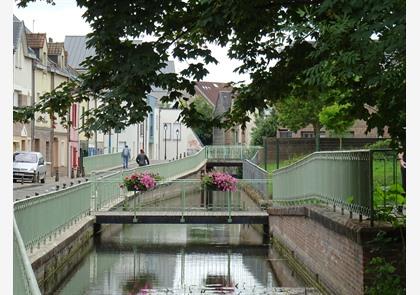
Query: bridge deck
{"points": [[171, 217]]}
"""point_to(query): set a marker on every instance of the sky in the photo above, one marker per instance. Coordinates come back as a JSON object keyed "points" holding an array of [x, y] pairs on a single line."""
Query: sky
{"points": [[65, 18]]}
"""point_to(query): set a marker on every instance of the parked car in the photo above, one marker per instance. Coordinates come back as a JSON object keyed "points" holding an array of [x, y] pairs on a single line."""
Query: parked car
{"points": [[29, 166]]}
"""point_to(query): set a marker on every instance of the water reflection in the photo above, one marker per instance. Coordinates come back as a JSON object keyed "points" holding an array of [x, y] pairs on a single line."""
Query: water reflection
{"points": [[174, 259]]}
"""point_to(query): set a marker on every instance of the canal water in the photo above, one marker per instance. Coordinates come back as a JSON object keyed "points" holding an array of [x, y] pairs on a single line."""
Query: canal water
{"points": [[180, 259]]}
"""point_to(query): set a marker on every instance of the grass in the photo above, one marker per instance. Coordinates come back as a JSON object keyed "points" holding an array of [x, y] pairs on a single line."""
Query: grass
{"points": [[271, 166]]}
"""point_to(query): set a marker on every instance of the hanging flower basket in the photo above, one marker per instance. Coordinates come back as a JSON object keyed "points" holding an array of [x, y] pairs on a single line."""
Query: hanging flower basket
{"points": [[141, 181], [219, 181]]}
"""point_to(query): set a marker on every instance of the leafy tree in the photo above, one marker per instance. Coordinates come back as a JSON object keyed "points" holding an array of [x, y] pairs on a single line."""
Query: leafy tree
{"points": [[203, 131], [265, 126], [295, 113], [359, 49], [337, 119]]}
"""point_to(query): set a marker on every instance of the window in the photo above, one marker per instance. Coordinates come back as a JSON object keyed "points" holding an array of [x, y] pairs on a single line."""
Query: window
{"points": [[307, 134], [285, 133], [15, 99], [22, 100]]}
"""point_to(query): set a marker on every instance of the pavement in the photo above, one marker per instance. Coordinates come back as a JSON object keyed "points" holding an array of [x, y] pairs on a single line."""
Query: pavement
{"points": [[29, 189]]}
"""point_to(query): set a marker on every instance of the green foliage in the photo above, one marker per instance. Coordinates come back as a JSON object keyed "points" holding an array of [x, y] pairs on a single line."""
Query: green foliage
{"points": [[336, 118], [385, 281], [381, 144], [203, 130], [359, 52], [265, 126]]}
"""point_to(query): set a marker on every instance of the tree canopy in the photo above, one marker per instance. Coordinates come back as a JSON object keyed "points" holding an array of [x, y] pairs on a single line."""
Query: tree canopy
{"points": [[354, 47], [265, 126]]}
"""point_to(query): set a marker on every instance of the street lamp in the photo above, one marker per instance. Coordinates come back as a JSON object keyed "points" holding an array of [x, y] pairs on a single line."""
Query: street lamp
{"points": [[177, 133], [165, 126]]}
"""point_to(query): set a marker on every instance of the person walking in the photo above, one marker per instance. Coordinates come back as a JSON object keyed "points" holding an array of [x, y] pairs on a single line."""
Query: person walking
{"points": [[142, 159], [125, 154]]}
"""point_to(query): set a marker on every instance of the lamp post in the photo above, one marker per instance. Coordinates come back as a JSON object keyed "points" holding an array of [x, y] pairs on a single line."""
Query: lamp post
{"points": [[177, 133], [164, 128]]}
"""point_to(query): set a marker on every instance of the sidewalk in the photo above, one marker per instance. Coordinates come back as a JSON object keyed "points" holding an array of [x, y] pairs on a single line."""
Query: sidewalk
{"points": [[50, 180]]}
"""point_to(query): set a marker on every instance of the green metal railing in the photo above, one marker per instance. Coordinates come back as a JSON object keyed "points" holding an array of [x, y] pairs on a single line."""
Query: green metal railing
{"points": [[342, 178], [231, 152], [101, 162], [388, 189], [261, 179], [41, 218], [181, 195], [24, 281], [174, 169]]}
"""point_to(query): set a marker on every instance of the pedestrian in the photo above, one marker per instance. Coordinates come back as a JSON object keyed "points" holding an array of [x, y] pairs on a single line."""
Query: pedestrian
{"points": [[125, 155], [142, 159], [403, 165]]}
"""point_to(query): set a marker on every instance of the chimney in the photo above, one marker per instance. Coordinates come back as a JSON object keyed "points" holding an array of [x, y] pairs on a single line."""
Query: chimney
{"points": [[50, 40]]}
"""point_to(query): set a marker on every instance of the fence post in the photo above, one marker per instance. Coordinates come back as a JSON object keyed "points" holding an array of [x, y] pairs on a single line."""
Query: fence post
{"points": [[93, 192], [265, 153], [230, 206], [277, 153], [371, 188], [183, 202]]}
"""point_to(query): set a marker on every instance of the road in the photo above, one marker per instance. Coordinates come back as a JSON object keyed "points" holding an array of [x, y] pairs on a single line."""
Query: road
{"points": [[27, 190]]}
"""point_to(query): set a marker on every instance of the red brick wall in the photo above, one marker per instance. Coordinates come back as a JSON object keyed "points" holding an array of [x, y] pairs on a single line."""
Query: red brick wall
{"points": [[289, 147], [328, 244]]}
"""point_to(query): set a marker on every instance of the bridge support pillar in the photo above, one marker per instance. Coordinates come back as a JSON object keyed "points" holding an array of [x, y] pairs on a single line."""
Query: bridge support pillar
{"points": [[266, 233], [96, 228]]}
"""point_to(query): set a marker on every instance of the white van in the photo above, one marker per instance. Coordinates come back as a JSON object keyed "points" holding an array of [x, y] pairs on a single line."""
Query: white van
{"points": [[29, 166]]}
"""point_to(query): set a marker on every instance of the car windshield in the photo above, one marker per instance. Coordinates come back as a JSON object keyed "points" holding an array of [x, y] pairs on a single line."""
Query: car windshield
{"points": [[24, 158]]}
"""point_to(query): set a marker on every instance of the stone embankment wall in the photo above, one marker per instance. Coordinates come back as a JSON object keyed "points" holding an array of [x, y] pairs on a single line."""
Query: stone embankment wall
{"points": [[331, 250]]}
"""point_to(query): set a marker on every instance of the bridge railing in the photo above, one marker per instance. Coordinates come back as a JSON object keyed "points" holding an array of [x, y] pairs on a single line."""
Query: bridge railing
{"points": [[343, 178], [107, 192], [260, 179], [101, 162], [231, 152], [24, 281], [180, 195], [42, 217]]}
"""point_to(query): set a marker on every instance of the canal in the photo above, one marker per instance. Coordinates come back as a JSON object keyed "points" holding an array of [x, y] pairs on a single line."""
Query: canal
{"points": [[183, 258], [179, 259]]}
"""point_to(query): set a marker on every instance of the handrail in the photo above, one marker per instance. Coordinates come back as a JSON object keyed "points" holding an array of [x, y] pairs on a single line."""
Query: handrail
{"points": [[342, 178], [24, 281]]}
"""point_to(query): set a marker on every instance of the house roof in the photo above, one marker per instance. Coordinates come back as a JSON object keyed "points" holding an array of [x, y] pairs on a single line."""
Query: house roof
{"points": [[36, 40], [55, 48], [17, 31], [210, 90], [77, 51]]}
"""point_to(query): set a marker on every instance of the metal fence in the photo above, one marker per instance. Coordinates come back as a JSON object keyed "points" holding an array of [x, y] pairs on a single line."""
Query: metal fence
{"points": [[40, 218], [342, 178], [24, 281], [181, 195], [231, 152], [101, 162], [258, 178], [388, 188]]}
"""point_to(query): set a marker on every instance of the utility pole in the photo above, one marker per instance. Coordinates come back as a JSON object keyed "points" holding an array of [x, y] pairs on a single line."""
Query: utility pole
{"points": [[32, 104]]}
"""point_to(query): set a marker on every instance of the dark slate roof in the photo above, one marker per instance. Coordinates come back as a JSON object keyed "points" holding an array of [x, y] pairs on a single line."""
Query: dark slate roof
{"points": [[210, 90], [77, 51], [17, 31]]}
